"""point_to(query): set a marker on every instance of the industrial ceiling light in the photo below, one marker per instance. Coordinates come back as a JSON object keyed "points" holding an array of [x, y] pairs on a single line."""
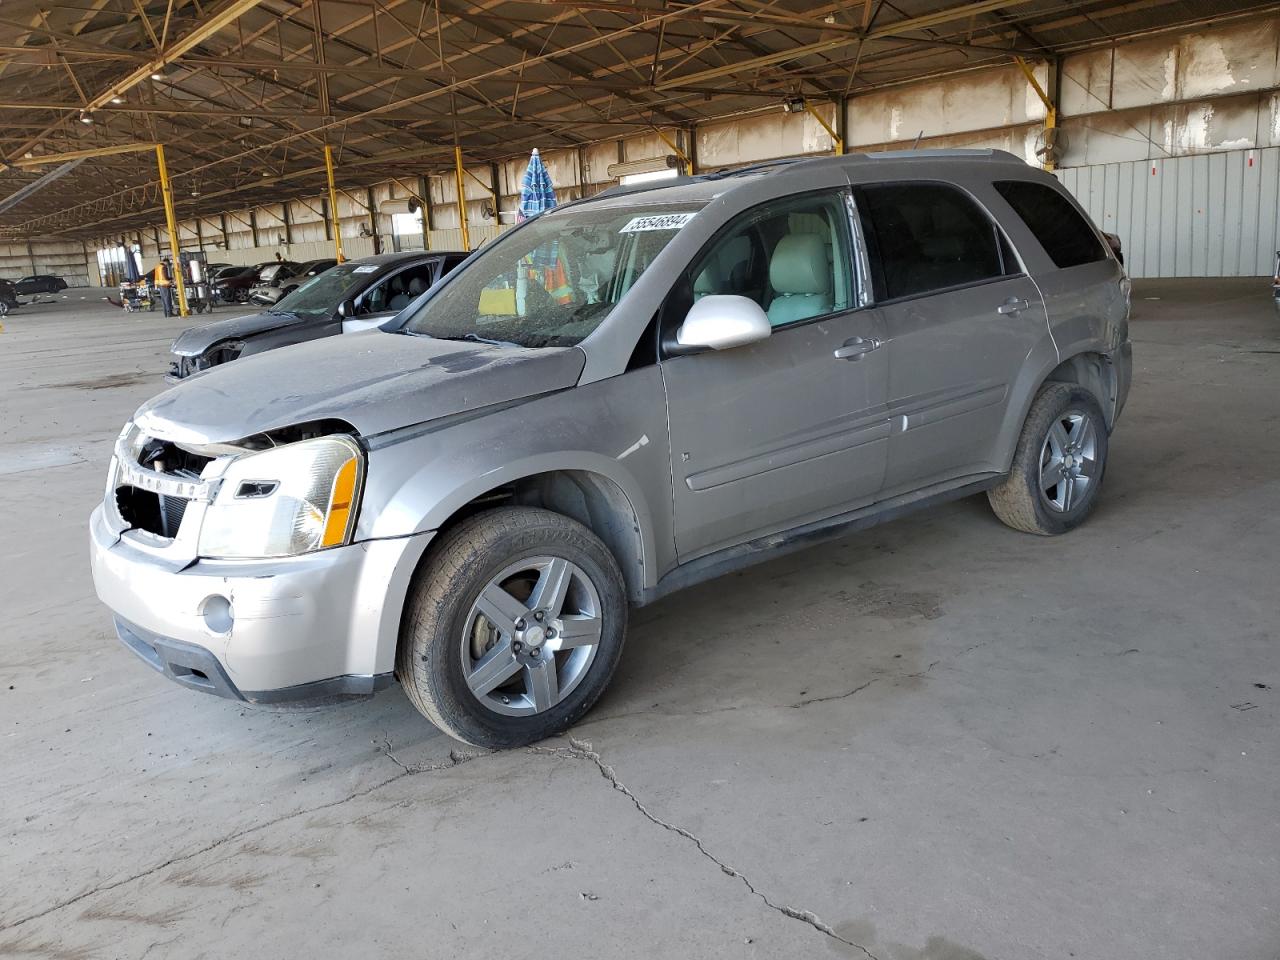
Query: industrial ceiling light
{"points": [[117, 99], [85, 118], [157, 76], [649, 165], [793, 105]]}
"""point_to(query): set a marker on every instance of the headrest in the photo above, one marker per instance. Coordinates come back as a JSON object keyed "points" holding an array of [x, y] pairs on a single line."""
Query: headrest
{"points": [[416, 286], [799, 265]]}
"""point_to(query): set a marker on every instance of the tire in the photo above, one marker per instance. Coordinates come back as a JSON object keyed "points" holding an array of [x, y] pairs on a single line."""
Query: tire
{"points": [[1064, 435], [446, 638]]}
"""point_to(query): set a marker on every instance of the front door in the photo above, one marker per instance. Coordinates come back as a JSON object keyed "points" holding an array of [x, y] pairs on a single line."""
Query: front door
{"points": [[391, 294], [792, 428], [961, 318]]}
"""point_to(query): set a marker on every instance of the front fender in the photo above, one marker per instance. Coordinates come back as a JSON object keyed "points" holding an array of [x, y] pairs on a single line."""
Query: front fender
{"points": [[615, 429]]}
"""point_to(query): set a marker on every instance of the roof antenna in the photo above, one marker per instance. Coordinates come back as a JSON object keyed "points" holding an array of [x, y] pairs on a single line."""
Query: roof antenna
{"points": [[916, 144]]}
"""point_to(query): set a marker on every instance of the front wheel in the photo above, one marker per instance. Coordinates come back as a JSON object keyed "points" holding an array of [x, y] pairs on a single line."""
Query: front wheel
{"points": [[514, 627], [1058, 465]]}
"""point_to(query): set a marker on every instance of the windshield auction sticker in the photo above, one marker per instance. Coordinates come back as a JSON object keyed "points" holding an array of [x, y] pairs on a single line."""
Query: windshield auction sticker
{"points": [[664, 221]]}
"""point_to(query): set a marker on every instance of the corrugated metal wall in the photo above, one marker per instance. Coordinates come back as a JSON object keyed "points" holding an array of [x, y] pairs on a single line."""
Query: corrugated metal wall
{"points": [[1202, 216]]}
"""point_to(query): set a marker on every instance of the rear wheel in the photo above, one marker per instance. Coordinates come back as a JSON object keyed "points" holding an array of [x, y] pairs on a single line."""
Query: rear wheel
{"points": [[514, 627], [1059, 463]]}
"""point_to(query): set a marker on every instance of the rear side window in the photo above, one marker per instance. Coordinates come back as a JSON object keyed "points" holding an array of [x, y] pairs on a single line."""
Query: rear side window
{"points": [[927, 236], [1066, 236]]}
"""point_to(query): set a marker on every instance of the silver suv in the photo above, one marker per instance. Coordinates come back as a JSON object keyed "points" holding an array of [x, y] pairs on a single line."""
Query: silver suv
{"points": [[622, 397]]}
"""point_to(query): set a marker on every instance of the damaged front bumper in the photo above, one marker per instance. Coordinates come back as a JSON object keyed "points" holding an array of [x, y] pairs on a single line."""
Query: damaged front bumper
{"points": [[261, 630]]}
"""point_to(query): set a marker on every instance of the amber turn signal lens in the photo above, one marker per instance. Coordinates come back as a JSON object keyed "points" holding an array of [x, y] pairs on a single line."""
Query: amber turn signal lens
{"points": [[341, 504]]}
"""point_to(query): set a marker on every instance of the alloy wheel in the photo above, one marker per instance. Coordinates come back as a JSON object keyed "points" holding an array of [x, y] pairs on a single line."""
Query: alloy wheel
{"points": [[531, 636], [1069, 460]]}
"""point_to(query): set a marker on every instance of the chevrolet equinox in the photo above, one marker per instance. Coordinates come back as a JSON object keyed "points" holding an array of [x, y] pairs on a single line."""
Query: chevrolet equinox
{"points": [[619, 398]]}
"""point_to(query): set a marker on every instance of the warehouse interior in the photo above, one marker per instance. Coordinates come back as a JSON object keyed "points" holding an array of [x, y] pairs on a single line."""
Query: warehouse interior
{"points": [[937, 739]]}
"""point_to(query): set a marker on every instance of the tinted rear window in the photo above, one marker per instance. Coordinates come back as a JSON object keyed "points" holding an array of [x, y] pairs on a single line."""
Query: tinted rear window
{"points": [[1065, 235], [927, 236]]}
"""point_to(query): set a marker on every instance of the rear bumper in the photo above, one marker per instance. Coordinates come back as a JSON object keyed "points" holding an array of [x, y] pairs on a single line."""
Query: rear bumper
{"points": [[1123, 360], [254, 629]]}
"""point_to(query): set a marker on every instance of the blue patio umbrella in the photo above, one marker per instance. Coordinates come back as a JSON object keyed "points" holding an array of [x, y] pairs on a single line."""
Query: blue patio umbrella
{"points": [[537, 195]]}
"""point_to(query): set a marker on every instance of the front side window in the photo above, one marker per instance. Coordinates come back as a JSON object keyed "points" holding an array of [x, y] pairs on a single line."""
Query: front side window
{"points": [[790, 256], [1066, 236], [555, 280], [398, 290], [927, 236], [320, 296]]}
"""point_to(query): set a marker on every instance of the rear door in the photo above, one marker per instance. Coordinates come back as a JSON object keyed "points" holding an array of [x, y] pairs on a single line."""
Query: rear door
{"points": [[790, 429], [961, 317]]}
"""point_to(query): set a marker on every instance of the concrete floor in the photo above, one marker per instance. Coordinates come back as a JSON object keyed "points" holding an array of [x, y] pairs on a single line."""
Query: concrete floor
{"points": [[936, 740]]}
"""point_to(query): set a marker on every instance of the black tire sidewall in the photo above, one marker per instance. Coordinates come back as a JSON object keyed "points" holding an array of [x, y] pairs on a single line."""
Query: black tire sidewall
{"points": [[440, 652]]}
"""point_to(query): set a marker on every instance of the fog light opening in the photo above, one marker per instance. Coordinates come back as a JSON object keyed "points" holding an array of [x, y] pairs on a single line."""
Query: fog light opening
{"points": [[218, 614]]}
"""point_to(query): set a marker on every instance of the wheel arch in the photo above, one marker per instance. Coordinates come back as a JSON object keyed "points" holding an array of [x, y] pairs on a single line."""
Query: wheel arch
{"points": [[1089, 367], [1094, 371], [598, 500]]}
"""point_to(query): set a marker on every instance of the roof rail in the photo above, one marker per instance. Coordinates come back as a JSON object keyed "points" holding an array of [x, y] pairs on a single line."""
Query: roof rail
{"points": [[625, 189], [622, 189], [968, 153], [750, 168]]}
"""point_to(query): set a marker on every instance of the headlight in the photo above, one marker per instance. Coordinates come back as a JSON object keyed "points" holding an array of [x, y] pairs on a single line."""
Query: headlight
{"points": [[285, 501]]}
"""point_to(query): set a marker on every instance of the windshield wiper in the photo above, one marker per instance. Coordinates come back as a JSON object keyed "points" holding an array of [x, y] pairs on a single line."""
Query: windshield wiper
{"points": [[476, 338]]}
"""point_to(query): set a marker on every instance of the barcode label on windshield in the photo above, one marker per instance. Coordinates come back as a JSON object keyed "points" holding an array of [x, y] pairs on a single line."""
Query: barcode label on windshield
{"points": [[664, 221]]}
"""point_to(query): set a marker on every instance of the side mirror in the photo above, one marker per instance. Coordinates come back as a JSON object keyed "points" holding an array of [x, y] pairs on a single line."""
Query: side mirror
{"points": [[347, 308], [721, 322]]}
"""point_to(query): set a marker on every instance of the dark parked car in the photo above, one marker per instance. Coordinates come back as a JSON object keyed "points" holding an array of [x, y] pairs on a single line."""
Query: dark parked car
{"points": [[40, 283], [232, 284], [235, 287], [352, 296], [8, 297], [282, 284]]}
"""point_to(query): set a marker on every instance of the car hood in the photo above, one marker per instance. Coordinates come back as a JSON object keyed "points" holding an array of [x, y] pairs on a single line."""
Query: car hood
{"points": [[196, 340], [376, 381]]}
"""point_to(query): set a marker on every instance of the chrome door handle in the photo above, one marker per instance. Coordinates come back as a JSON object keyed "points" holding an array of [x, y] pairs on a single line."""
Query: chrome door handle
{"points": [[1011, 306], [857, 348]]}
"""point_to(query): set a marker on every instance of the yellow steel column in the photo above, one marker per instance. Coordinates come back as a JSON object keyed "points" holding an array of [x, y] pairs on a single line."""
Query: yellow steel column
{"points": [[172, 223], [462, 197], [1050, 109], [686, 165], [837, 144], [335, 222]]}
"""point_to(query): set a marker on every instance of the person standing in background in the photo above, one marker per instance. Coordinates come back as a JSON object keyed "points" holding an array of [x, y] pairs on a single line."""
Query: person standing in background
{"points": [[164, 283]]}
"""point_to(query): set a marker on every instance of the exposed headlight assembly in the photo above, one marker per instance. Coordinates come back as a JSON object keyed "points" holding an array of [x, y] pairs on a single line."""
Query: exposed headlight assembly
{"points": [[285, 501]]}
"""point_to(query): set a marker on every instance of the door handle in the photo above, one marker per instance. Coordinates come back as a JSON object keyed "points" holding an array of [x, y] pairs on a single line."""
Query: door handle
{"points": [[857, 348], [1011, 306]]}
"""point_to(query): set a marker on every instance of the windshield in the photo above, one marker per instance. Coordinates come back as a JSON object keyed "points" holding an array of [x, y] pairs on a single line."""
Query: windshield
{"points": [[551, 283], [320, 296]]}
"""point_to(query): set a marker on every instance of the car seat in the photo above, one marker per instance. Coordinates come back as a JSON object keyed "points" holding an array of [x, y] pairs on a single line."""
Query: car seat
{"points": [[800, 274], [401, 298]]}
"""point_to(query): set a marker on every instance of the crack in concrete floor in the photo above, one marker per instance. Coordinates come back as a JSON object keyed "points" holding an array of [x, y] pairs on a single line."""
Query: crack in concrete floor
{"points": [[582, 750]]}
